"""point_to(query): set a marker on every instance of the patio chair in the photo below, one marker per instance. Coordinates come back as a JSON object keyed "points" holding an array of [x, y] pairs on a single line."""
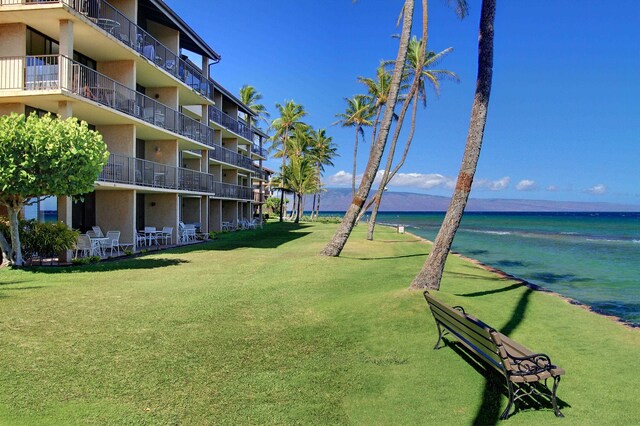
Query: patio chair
{"points": [[83, 244], [92, 234], [167, 234], [113, 241], [151, 234], [98, 231], [141, 239]]}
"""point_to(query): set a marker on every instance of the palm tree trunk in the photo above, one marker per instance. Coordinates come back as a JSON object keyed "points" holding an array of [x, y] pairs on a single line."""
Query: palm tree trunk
{"points": [[364, 209], [318, 206], [313, 207], [355, 159], [388, 174], [375, 124], [431, 273], [337, 243], [297, 197]]}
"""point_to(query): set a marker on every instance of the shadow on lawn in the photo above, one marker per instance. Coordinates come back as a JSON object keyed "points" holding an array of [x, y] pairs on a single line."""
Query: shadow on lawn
{"points": [[271, 236], [115, 265], [385, 257], [490, 410], [497, 290]]}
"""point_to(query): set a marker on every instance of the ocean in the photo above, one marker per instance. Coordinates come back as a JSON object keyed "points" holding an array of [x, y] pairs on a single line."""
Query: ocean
{"points": [[593, 258]]}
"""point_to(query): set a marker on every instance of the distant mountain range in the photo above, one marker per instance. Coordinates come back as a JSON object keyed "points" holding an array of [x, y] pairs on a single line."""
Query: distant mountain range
{"points": [[338, 199]]}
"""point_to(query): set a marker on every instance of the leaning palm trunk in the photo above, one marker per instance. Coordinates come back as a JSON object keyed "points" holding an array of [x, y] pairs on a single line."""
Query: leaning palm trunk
{"points": [[411, 96], [388, 175], [313, 206], [355, 156], [337, 243], [318, 206], [431, 273]]}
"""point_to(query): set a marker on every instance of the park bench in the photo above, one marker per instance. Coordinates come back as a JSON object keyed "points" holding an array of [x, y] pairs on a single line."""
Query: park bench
{"points": [[526, 372]]}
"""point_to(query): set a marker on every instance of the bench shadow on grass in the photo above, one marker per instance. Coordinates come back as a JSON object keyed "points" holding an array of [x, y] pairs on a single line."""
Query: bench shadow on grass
{"points": [[495, 386]]}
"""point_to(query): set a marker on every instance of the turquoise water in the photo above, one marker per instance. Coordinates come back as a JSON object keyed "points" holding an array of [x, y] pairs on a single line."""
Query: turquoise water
{"points": [[593, 258]]}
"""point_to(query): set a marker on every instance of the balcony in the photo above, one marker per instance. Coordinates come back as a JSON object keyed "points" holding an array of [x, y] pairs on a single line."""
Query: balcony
{"points": [[134, 171], [57, 72], [239, 127], [228, 156], [103, 15]]}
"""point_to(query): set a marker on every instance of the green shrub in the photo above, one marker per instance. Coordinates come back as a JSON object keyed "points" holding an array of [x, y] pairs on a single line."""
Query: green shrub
{"points": [[42, 239], [212, 235]]}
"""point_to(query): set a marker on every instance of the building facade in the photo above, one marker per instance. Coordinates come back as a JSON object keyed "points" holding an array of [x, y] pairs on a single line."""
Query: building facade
{"points": [[182, 148]]}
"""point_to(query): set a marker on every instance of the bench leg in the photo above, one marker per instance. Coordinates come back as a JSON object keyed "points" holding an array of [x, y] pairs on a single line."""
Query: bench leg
{"points": [[556, 382], [505, 413], [439, 336]]}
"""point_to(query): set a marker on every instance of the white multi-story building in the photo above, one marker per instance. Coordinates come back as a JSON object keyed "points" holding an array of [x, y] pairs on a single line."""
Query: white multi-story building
{"points": [[181, 146]]}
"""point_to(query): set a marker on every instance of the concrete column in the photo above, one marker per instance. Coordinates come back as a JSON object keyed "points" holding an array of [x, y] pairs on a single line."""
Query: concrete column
{"points": [[162, 210], [65, 109], [204, 214], [66, 49], [120, 139], [64, 216], [115, 211], [215, 215]]}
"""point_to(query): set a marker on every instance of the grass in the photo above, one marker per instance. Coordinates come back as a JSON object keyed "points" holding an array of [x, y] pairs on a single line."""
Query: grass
{"points": [[256, 328]]}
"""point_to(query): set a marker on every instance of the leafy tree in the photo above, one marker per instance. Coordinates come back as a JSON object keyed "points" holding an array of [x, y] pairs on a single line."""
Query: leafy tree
{"points": [[337, 243], [431, 273], [290, 115], [273, 204], [358, 115], [251, 98], [41, 157]]}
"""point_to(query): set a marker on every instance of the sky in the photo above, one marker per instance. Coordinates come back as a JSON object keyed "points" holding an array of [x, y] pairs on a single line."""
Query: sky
{"points": [[564, 113]]}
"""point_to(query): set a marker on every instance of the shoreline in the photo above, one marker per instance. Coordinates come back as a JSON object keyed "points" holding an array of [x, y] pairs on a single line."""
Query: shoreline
{"points": [[535, 287]]}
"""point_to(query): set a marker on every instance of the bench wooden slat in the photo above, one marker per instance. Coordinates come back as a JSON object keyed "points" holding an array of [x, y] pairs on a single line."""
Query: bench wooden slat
{"points": [[473, 340], [479, 327]]}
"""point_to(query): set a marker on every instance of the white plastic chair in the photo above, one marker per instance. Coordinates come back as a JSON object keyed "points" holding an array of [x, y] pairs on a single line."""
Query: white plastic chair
{"points": [[113, 242], [83, 244], [141, 239], [97, 231], [150, 233], [167, 234]]}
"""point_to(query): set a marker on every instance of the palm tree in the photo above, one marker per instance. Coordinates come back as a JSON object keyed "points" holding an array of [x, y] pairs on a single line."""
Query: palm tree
{"points": [[378, 89], [290, 115], [358, 115], [301, 179], [322, 151], [337, 243], [250, 97], [431, 273], [418, 68]]}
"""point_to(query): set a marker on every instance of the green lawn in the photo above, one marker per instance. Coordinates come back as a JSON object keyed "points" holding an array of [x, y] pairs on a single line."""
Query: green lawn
{"points": [[257, 328]]}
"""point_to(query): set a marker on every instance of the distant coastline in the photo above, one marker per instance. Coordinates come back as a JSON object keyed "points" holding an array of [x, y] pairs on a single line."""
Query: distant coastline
{"points": [[339, 199]]}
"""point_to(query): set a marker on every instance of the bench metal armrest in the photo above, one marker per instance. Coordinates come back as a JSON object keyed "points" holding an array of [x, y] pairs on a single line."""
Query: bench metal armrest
{"points": [[460, 308], [531, 364]]}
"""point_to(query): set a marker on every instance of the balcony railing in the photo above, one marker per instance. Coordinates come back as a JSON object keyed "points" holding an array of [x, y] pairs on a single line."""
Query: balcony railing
{"points": [[112, 21], [228, 156], [54, 72], [135, 171], [235, 125], [257, 150]]}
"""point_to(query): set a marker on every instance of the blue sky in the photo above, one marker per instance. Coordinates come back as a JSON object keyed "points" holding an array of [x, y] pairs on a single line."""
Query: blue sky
{"points": [[564, 116]]}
